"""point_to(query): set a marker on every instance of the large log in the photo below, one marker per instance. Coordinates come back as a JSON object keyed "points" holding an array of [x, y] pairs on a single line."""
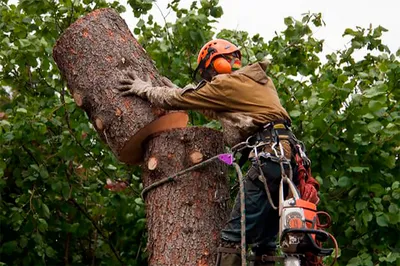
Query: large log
{"points": [[184, 217], [92, 55]]}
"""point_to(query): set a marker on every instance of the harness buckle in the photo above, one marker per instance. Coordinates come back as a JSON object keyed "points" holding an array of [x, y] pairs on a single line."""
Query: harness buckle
{"points": [[303, 155], [265, 258]]}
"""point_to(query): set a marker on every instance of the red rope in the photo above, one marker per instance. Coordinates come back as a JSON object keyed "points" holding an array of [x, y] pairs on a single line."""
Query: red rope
{"points": [[308, 187]]}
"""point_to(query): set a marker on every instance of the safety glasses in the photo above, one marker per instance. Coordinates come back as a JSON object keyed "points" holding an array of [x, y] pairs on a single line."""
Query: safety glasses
{"points": [[234, 60]]}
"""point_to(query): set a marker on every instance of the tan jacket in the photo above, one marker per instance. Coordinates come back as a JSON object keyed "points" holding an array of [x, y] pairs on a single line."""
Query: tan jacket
{"points": [[242, 101]]}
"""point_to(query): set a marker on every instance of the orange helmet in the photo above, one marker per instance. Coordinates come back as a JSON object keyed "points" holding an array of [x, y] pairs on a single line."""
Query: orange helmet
{"points": [[216, 48]]}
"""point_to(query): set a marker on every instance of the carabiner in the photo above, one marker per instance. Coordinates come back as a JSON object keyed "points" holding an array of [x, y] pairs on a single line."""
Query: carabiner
{"points": [[303, 155], [248, 145], [282, 151], [274, 149]]}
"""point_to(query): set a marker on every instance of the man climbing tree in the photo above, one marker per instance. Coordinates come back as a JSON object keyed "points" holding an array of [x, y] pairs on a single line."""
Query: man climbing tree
{"points": [[54, 164], [246, 103]]}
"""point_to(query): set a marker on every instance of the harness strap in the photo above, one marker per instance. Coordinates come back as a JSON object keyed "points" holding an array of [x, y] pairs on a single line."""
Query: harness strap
{"points": [[272, 131]]}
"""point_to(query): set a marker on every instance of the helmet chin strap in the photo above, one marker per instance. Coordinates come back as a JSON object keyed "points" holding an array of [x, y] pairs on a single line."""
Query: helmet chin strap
{"points": [[208, 73], [202, 64]]}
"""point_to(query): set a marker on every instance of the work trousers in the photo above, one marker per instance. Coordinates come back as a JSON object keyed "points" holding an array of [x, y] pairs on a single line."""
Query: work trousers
{"points": [[262, 221]]}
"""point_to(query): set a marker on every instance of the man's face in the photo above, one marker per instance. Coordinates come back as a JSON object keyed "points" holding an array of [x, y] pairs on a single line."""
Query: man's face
{"points": [[215, 68], [234, 60]]}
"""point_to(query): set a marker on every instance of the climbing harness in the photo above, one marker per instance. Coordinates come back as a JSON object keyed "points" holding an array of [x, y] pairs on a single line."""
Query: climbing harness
{"points": [[272, 132], [300, 233]]}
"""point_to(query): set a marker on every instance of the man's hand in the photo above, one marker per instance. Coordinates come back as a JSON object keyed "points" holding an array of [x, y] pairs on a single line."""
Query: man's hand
{"points": [[133, 85], [168, 83]]}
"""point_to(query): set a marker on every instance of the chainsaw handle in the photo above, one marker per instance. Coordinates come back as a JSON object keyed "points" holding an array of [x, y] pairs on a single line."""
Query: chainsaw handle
{"points": [[312, 247], [327, 217], [292, 188]]}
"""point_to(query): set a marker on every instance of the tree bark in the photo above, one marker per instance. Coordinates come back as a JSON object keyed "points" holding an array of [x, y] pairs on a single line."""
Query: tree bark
{"points": [[92, 55], [184, 217]]}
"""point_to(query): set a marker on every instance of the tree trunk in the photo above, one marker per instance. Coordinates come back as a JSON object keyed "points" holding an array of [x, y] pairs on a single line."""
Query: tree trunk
{"points": [[92, 55], [184, 217]]}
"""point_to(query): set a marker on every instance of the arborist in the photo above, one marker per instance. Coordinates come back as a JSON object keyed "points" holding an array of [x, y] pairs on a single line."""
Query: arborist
{"points": [[245, 101]]}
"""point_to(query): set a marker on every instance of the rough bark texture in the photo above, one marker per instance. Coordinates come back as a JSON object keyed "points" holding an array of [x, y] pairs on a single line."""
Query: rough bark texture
{"points": [[92, 55], [184, 217]]}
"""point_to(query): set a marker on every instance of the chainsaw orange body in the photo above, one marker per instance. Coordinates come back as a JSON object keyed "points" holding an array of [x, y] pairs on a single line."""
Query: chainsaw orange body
{"points": [[300, 232]]}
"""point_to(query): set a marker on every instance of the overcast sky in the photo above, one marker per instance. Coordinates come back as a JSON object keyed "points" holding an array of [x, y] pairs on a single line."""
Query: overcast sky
{"points": [[265, 17]]}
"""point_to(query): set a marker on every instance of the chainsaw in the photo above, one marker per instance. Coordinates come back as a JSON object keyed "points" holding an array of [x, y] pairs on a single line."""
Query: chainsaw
{"points": [[300, 233]]}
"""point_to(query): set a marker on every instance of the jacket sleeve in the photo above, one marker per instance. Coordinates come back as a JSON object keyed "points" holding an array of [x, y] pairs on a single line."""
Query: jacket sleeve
{"points": [[210, 96]]}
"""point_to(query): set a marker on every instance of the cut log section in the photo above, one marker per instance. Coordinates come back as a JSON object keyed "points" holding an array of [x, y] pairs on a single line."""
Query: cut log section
{"points": [[185, 217], [92, 55]]}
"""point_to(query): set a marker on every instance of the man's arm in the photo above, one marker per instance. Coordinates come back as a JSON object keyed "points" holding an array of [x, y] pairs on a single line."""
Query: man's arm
{"points": [[211, 96]]}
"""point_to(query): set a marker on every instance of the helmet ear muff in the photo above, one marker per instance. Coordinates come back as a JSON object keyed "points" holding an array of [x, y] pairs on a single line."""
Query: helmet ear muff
{"points": [[221, 65]]}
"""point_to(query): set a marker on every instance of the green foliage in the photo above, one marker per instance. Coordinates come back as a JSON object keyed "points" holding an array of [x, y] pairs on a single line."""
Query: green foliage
{"points": [[54, 208]]}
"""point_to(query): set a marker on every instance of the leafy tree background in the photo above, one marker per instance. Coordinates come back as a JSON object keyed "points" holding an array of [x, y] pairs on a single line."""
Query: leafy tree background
{"points": [[55, 209]]}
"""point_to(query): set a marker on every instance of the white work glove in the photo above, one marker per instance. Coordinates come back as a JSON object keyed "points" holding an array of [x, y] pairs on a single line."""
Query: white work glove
{"points": [[168, 83], [133, 85], [160, 96]]}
